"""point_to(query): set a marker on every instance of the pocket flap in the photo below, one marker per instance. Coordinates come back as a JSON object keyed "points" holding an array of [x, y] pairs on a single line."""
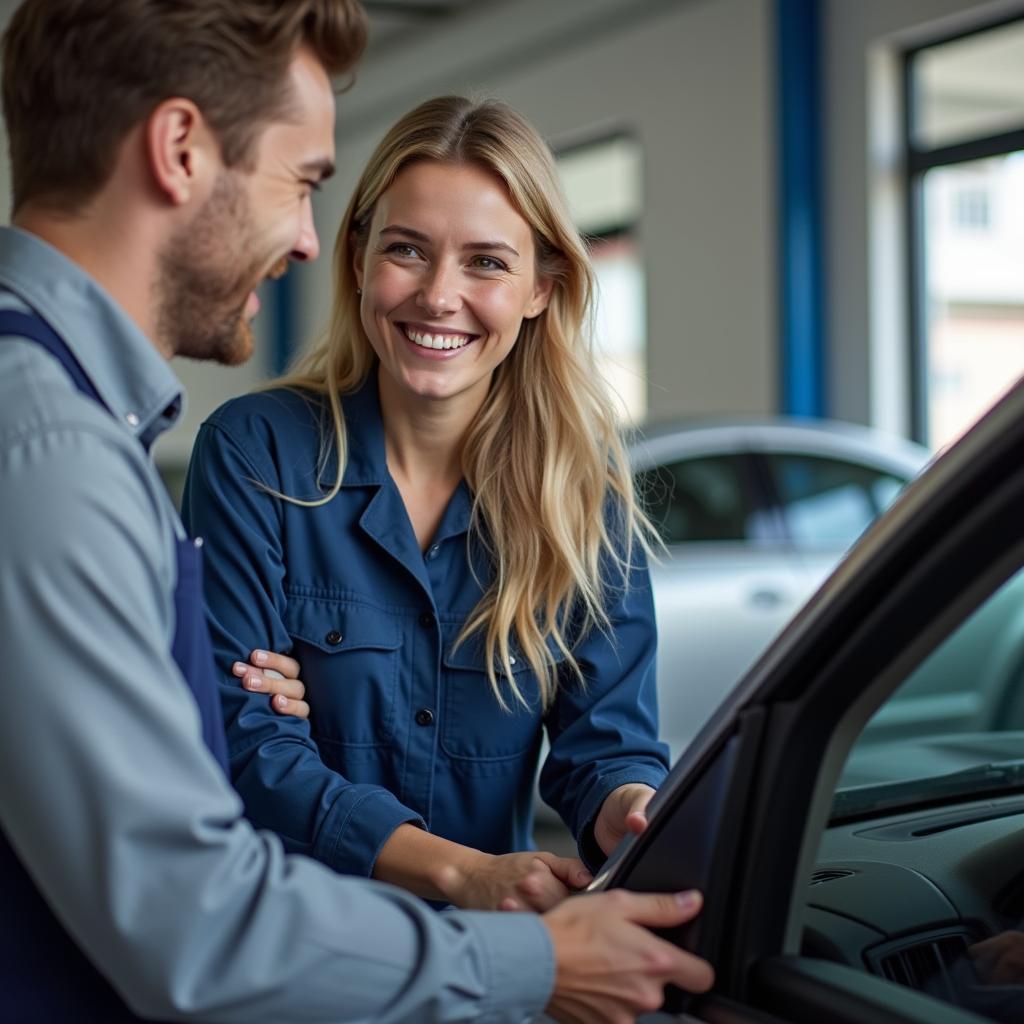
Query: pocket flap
{"points": [[335, 626]]}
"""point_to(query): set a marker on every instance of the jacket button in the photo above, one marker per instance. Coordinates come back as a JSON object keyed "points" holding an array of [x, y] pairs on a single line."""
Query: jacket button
{"points": [[427, 619], [424, 716], [334, 637]]}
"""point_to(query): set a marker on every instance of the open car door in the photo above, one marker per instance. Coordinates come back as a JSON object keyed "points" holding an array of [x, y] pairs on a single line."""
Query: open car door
{"points": [[743, 814]]}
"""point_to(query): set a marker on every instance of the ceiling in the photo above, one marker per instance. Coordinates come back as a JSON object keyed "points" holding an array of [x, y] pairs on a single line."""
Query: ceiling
{"points": [[394, 21]]}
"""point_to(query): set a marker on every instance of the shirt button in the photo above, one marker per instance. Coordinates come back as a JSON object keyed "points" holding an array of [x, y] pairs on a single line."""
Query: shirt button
{"points": [[433, 550], [427, 619], [424, 716], [333, 638], [131, 419]]}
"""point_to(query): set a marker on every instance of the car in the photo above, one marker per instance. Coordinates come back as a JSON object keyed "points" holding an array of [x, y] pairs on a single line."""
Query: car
{"points": [[753, 514], [855, 821]]}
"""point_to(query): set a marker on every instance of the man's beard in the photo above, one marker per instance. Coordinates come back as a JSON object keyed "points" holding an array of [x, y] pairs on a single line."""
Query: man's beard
{"points": [[204, 286]]}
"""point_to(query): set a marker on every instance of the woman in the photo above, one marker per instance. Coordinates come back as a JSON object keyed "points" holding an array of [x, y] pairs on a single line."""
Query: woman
{"points": [[434, 514]]}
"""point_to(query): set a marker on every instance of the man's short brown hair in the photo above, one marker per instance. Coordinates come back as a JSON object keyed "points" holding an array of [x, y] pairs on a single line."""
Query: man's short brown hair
{"points": [[78, 75]]}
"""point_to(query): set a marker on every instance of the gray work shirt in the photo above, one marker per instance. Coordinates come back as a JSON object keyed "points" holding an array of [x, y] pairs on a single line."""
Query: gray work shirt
{"points": [[107, 793]]}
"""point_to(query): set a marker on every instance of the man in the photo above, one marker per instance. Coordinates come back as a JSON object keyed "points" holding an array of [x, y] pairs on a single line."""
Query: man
{"points": [[163, 153]]}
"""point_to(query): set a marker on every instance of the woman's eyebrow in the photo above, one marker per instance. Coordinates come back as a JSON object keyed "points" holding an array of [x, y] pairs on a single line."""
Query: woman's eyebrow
{"points": [[419, 236]]}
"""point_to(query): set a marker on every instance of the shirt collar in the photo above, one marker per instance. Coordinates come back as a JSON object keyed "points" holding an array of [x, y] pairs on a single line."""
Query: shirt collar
{"points": [[367, 458], [133, 379]]}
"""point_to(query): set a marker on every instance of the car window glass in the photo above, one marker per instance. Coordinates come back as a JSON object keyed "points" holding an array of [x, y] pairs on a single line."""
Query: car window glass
{"points": [[924, 844], [706, 498], [828, 502]]}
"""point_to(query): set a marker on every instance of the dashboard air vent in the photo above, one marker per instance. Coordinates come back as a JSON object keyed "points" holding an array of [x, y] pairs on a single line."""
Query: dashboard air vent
{"points": [[916, 961]]}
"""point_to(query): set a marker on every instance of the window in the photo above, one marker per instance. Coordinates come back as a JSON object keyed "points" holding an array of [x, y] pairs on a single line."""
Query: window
{"points": [[603, 185], [829, 502], [701, 499], [965, 160]]}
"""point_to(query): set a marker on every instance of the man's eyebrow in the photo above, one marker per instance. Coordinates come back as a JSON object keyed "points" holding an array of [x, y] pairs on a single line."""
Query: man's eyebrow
{"points": [[419, 236], [321, 166]]}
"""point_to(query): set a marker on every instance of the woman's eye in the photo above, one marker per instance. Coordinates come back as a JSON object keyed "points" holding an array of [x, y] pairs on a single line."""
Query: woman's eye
{"points": [[488, 263], [403, 249]]}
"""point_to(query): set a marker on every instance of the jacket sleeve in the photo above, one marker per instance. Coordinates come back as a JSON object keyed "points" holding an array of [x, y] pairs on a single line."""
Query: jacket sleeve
{"points": [[604, 730], [275, 764], [129, 829]]}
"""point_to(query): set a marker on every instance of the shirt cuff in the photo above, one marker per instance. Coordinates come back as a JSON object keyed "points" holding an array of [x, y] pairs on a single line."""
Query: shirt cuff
{"points": [[519, 960], [366, 825], [590, 853]]}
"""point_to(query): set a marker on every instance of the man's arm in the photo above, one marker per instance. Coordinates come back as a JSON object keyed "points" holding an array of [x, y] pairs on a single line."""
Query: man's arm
{"points": [[127, 825]]}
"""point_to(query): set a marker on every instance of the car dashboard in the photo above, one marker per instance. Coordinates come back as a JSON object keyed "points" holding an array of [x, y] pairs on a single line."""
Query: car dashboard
{"points": [[903, 896]]}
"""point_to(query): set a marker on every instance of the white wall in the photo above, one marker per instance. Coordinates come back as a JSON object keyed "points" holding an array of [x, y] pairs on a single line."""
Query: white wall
{"points": [[866, 249], [692, 79]]}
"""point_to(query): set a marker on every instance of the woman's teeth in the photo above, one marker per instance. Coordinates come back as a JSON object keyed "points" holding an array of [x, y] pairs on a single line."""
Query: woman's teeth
{"points": [[437, 340]]}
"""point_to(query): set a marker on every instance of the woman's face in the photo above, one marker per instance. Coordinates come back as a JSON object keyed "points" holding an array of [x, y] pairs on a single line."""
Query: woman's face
{"points": [[448, 276]]}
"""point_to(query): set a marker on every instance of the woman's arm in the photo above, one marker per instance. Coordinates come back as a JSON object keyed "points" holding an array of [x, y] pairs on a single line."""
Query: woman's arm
{"points": [[275, 764]]}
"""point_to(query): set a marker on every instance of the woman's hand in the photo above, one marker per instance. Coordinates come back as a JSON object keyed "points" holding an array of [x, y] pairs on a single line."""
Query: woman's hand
{"points": [[622, 813], [512, 881], [277, 676]]}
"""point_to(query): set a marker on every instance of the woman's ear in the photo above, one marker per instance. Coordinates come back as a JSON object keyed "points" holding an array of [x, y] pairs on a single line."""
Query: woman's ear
{"points": [[181, 150], [541, 297], [358, 257]]}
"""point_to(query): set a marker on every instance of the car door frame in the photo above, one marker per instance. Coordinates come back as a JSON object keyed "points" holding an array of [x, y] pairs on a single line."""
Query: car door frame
{"points": [[948, 541]]}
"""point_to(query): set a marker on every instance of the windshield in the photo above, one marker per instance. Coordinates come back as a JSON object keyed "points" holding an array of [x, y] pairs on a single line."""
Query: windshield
{"points": [[955, 728]]}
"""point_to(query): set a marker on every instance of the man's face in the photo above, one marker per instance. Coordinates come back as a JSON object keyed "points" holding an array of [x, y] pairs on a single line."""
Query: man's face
{"points": [[248, 228]]}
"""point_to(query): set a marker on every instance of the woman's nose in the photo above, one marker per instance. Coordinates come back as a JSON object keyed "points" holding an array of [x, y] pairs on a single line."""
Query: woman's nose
{"points": [[440, 291]]}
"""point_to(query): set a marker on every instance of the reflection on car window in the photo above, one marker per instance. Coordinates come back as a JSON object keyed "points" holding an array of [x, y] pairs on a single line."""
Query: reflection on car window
{"points": [[829, 501], [701, 499], [959, 708]]}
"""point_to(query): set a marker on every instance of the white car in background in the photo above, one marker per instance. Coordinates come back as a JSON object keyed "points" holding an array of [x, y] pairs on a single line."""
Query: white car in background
{"points": [[754, 515]]}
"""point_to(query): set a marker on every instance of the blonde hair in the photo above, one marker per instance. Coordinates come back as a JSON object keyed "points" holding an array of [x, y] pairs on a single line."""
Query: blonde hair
{"points": [[553, 502]]}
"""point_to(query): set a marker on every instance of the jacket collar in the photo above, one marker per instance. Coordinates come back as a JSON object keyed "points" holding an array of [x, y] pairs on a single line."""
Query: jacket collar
{"points": [[130, 375]]}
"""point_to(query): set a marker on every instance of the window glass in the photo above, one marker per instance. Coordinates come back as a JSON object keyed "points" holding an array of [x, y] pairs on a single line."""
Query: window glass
{"points": [[973, 317], [603, 185], [701, 499], [829, 502], [969, 87]]}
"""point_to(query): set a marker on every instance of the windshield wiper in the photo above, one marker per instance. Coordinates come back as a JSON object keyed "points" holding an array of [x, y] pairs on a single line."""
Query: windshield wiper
{"points": [[994, 777]]}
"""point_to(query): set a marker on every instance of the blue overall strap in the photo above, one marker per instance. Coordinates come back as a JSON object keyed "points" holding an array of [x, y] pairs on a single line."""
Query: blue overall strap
{"points": [[35, 328]]}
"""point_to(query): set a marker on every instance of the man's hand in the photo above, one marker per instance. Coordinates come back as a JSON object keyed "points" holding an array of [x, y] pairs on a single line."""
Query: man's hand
{"points": [[609, 967], [622, 813], [1000, 959], [277, 676]]}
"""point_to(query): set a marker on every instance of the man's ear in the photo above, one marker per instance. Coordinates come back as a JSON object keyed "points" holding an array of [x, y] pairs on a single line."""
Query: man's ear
{"points": [[181, 150]]}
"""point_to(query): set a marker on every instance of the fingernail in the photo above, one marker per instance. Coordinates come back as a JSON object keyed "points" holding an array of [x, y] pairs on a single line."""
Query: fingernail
{"points": [[254, 682], [280, 702], [239, 668], [688, 900], [260, 657]]}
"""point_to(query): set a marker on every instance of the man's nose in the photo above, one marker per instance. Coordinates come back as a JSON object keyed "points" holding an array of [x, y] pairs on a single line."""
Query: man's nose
{"points": [[307, 245]]}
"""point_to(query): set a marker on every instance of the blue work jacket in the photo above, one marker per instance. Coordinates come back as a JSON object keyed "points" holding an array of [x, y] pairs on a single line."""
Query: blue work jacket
{"points": [[404, 725]]}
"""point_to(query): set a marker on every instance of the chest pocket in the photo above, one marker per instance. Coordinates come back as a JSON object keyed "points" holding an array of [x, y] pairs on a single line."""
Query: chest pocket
{"points": [[475, 728], [350, 660]]}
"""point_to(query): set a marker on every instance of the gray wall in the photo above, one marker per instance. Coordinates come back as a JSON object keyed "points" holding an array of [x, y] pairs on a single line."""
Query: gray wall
{"points": [[691, 78]]}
